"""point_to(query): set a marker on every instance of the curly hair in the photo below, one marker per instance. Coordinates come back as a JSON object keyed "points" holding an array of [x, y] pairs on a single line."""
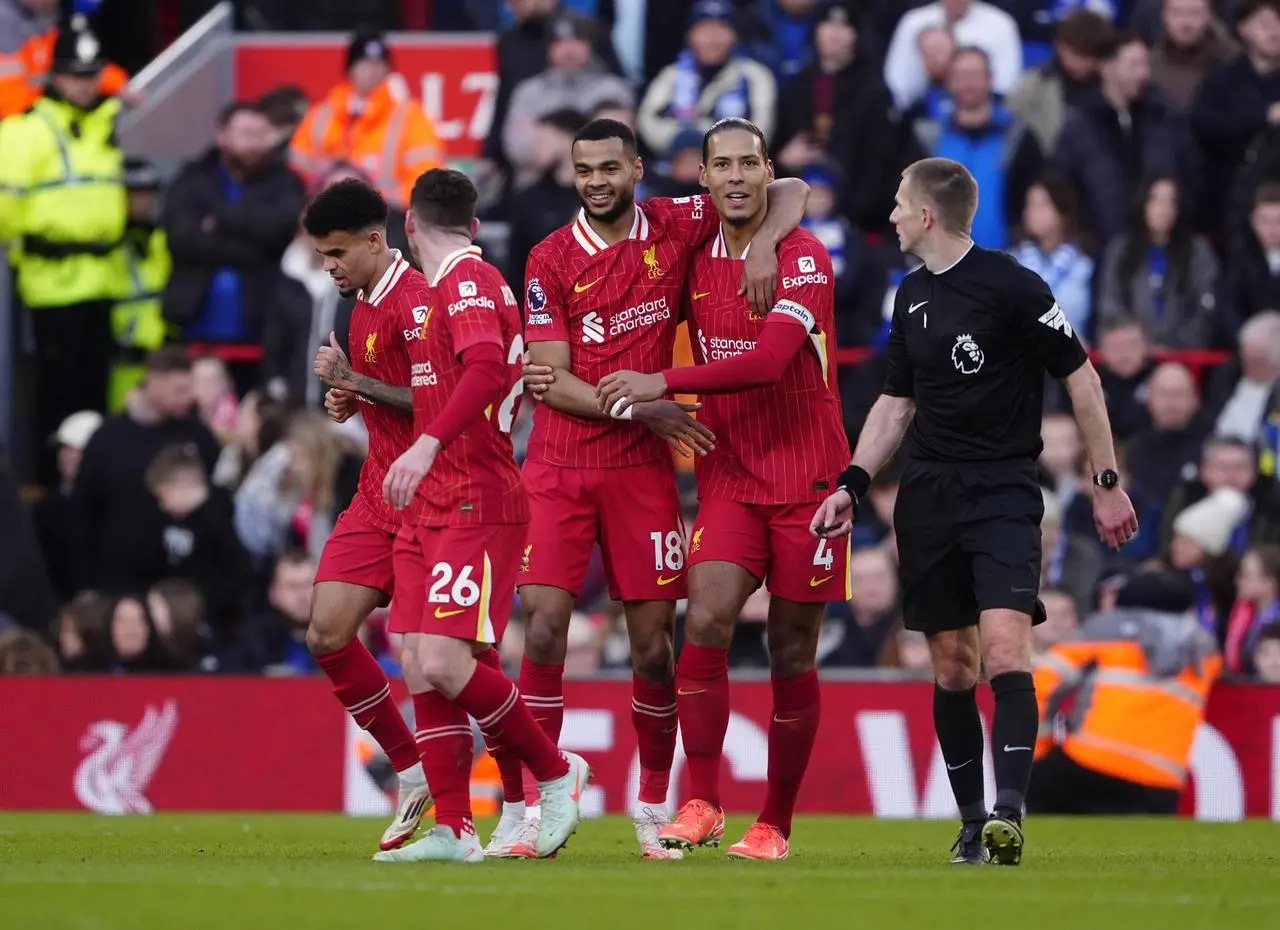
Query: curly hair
{"points": [[348, 206]]}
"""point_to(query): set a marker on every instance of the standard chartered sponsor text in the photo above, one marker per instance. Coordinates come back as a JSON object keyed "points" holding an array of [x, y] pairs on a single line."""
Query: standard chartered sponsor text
{"points": [[721, 348], [422, 374], [643, 314]]}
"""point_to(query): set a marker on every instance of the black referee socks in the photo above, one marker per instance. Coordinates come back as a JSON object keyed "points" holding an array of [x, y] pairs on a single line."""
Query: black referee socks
{"points": [[1013, 739], [959, 729]]}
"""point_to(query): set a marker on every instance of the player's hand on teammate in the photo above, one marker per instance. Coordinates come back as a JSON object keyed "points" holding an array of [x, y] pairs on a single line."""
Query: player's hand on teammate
{"points": [[332, 366], [407, 472], [538, 379], [835, 516], [672, 422], [1114, 516], [760, 280], [341, 405], [618, 391]]}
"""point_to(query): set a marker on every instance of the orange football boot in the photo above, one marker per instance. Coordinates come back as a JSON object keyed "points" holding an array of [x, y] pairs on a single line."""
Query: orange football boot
{"points": [[697, 823], [761, 842]]}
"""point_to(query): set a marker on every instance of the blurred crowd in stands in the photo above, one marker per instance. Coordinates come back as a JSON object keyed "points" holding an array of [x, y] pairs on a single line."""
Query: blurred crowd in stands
{"points": [[1127, 150]]}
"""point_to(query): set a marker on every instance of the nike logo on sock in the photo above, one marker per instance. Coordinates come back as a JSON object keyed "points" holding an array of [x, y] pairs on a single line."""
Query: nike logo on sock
{"points": [[953, 768], [1008, 748]]}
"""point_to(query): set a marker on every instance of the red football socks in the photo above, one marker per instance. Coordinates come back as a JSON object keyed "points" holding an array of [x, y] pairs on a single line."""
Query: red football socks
{"points": [[653, 714], [445, 740], [497, 707], [542, 687], [796, 709], [361, 685], [509, 767], [702, 698]]}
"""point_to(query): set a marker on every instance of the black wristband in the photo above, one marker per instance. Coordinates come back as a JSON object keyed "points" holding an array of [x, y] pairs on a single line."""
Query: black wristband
{"points": [[855, 480]]}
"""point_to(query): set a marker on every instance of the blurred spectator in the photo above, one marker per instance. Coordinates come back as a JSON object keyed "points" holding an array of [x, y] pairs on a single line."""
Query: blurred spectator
{"points": [[26, 596], [135, 644], [1266, 656], [274, 639], [1250, 282], [53, 515], [552, 199], [678, 174], [838, 109], [1256, 612], [24, 653], [573, 80], [583, 650], [711, 79], [1230, 463], [850, 258], [260, 424], [1061, 456], [81, 634], [371, 121], [624, 113], [215, 396], [1160, 273], [1119, 136], [787, 42], [291, 497], [111, 497], [972, 23], [1159, 454], [1192, 43], [875, 523], [285, 107], [1244, 390], [975, 129], [1067, 562], [178, 612], [197, 541], [229, 216], [1069, 79], [65, 229], [1052, 249], [1125, 365], [1200, 550], [28, 42], [142, 273], [1062, 619], [1236, 106], [937, 46], [908, 650], [855, 632]]}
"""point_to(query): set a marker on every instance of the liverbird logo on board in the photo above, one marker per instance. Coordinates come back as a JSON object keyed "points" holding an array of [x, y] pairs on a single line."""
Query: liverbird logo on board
{"points": [[121, 761]]}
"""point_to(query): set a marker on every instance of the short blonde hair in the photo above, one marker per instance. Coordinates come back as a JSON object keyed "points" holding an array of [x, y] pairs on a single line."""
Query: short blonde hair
{"points": [[947, 187]]}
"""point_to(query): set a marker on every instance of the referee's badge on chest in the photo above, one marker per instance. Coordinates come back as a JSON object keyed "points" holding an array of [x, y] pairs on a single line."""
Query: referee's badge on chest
{"points": [[966, 355]]}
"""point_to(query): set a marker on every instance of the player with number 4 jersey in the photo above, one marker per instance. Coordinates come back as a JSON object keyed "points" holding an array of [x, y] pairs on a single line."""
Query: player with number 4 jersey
{"points": [[768, 392]]}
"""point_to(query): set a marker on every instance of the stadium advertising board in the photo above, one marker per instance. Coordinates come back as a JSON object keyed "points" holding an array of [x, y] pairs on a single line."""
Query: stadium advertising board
{"points": [[455, 76], [136, 745]]}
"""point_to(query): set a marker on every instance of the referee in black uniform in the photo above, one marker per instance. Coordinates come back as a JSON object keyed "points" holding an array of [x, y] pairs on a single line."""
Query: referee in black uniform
{"points": [[973, 334]]}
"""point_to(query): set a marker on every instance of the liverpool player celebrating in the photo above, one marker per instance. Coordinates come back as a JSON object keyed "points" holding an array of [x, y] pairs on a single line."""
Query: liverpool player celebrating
{"points": [[348, 223], [603, 293], [769, 394], [459, 555]]}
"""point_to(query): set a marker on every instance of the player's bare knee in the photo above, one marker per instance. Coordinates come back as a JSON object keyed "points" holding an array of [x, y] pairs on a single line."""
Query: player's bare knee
{"points": [[546, 637], [1002, 657], [442, 664], [708, 626], [955, 661], [653, 658], [792, 656], [325, 636]]}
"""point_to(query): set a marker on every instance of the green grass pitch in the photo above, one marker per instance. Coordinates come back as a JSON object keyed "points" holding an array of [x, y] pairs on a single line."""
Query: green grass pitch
{"points": [[82, 872]]}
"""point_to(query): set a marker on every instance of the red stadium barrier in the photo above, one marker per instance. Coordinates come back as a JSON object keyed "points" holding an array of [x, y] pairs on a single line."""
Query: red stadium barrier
{"points": [[119, 745]]}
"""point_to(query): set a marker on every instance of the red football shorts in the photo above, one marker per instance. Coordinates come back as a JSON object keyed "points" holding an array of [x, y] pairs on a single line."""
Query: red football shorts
{"points": [[773, 542], [634, 512], [358, 552], [457, 581]]}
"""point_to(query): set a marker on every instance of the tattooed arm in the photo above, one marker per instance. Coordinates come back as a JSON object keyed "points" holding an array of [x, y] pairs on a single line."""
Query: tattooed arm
{"points": [[334, 369]]}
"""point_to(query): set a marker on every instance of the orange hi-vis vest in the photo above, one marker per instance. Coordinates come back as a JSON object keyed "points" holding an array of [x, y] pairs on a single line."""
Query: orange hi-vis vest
{"points": [[23, 75], [391, 140], [1137, 682]]}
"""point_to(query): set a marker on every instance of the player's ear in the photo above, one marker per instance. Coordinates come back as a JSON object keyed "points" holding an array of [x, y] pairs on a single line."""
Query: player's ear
{"points": [[639, 168], [768, 169], [475, 228], [702, 177], [410, 225]]}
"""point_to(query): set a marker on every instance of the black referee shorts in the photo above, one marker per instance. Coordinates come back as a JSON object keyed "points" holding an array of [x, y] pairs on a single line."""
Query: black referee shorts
{"points": [[968, 541]]}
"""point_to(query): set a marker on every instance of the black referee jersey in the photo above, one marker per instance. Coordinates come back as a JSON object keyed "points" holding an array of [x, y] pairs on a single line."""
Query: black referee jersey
{"points": [[971, 345]]}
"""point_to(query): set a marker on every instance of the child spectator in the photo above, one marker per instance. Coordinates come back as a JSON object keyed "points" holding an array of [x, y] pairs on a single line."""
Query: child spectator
{"points": [[274, 640], [1257, 608], [24, 653], [215, 396], [1266, 656]]}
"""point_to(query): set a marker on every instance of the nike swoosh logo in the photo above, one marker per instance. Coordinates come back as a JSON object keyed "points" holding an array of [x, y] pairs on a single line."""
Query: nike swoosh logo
{"points": [[687, 693], [914, 307], [666, 581], [702, 294], [441, 613], [583, 288], [777, 719], [669, 730], [1008, 748], [954, 768], [818, 582]]}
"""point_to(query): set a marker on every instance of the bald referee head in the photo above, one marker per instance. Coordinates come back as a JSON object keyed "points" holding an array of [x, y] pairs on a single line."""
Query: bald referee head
{"points": [[934, 207]]}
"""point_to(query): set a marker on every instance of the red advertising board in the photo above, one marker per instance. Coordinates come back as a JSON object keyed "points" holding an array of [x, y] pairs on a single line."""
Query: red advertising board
{"points": [[133, 745], [455, 76]]}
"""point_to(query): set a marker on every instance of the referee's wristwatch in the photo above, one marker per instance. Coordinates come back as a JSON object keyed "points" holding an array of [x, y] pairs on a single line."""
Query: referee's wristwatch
{"points": [[1107, 479]]}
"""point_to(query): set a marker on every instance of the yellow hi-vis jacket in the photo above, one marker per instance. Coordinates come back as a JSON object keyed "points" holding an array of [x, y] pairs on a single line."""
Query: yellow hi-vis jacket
{"points": [[143, 267], [1139, 680], [63, 206]]}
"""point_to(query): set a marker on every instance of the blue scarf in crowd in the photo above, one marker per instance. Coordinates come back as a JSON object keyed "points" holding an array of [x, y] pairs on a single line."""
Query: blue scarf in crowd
{"points": [[688, 91]]}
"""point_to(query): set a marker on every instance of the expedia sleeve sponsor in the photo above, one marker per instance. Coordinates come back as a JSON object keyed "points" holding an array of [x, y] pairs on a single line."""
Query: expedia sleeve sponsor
{"points": [[797, 312], [477, 301]]}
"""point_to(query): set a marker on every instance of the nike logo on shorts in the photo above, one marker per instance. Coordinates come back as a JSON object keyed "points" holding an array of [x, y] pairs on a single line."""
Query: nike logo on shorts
{"points": [[662, 581], [441, 613], [817, 582]]}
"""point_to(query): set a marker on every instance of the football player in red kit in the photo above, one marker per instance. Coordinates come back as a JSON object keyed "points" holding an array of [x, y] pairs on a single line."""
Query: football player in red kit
{"points": [[603, 293], [459, 552], [348, 222], [768, 391]]}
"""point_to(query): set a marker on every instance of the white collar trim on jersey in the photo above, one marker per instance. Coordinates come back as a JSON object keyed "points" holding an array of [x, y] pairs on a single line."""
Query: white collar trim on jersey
{"points": [[451, 260], [720, 249], [389, 278], [591, 241], [957, 261]]}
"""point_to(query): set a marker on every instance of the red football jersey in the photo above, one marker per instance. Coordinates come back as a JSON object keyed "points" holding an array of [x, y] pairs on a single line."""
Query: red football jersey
{"points": [[474, 479], [377, 349], [783, 444], [618, 307]]}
